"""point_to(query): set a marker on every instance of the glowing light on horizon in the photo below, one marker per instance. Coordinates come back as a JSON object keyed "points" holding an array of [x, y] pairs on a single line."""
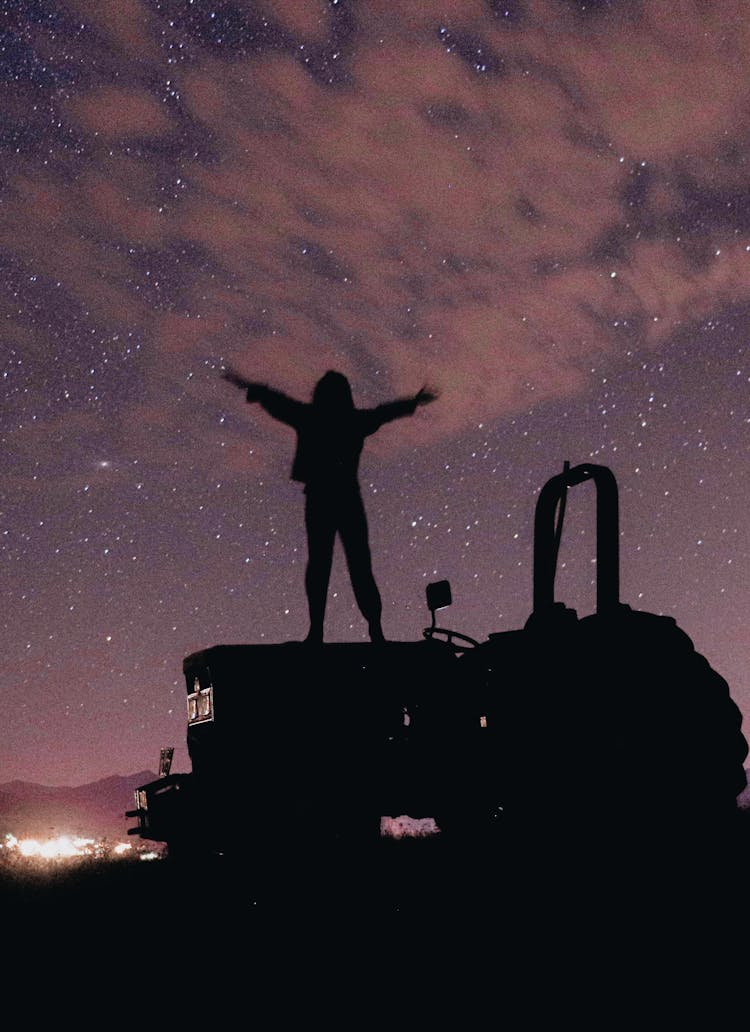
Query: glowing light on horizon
{"points": [[68, 847], [62, 847]]}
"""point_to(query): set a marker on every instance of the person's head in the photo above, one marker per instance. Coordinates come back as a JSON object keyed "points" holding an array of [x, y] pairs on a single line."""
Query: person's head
{"points": [[332, 392]]}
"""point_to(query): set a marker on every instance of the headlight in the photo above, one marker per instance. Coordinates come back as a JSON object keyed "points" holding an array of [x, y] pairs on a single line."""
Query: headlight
{"points": [[200, 703]]}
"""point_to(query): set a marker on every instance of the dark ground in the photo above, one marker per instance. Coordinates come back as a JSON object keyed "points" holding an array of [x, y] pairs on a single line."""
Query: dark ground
{"points": [[406, 928]]}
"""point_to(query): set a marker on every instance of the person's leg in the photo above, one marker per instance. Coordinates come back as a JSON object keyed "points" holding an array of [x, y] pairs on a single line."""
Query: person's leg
{"points": [[352, 524], [321, 531]]}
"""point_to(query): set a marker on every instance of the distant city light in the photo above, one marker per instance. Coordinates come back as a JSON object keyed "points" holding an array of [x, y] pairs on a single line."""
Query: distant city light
{"points": [[67, 848]]}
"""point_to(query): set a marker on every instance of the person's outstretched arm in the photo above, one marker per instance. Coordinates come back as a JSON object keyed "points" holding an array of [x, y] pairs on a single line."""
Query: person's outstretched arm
{"points": [[276, 403], [374, 418]]}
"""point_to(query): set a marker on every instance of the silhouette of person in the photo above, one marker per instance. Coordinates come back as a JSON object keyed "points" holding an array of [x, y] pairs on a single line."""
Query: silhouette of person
{"points": [[330, 436]]}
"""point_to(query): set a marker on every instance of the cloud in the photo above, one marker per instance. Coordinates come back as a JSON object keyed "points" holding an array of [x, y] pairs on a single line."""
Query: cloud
{"points": [[120, 113], [124, 24], [491, 205], [303, 19]]}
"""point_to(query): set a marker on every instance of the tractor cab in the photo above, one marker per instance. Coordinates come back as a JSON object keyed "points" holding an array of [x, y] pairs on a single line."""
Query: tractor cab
{"points": [[299, 740]]}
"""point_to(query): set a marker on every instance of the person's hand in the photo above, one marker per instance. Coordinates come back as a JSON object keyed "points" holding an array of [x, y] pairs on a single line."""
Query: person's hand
{"points": [[254, 390], [424, 396], [234, 377]]}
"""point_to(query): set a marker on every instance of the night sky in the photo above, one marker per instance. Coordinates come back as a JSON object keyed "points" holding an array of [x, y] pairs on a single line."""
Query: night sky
{"points": [[539, 208]]}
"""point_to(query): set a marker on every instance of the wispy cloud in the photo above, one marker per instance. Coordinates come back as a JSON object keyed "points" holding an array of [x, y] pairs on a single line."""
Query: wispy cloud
{"points": [[488, 202]]}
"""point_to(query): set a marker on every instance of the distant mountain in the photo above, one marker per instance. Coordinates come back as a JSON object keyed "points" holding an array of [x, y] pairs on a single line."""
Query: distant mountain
{"points": [[96, 810]]}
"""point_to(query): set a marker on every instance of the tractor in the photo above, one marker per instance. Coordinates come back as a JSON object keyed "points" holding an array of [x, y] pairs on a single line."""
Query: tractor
{"points": [[607, 732]]}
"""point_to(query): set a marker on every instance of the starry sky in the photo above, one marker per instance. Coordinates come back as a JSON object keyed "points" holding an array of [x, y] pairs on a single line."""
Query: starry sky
{"points": [[538, 207]]}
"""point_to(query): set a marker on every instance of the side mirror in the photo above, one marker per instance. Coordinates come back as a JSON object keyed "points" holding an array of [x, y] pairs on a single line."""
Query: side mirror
{"points": [[438, 596]]}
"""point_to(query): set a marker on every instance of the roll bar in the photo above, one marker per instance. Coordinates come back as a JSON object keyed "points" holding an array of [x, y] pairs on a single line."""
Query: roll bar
{"points": [[547, 535]]}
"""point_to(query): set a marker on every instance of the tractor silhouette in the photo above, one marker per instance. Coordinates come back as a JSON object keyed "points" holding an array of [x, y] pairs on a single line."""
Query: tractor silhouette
{"points": [[291, 743]]}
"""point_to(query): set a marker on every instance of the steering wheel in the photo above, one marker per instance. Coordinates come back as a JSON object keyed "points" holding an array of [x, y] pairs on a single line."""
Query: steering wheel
{"points": [[448, 636]]}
